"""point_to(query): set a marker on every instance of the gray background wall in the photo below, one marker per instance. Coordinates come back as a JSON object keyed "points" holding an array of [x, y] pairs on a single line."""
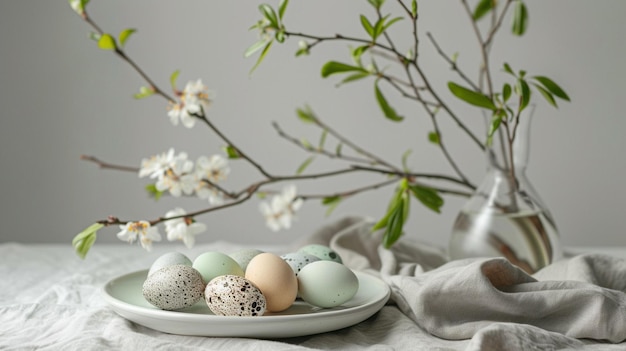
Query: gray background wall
{"points": [[61, 97]]}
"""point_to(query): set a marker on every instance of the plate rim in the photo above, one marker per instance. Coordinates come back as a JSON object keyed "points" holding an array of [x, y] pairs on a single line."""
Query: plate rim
{"points": [[373, 305]]}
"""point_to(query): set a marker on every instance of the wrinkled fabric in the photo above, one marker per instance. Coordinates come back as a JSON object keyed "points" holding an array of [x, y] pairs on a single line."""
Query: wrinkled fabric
{"points": [[582, 297], [51, 300]]}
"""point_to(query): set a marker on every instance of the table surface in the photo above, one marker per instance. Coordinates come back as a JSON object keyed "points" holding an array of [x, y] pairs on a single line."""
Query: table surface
{"points": [[52, 300]]}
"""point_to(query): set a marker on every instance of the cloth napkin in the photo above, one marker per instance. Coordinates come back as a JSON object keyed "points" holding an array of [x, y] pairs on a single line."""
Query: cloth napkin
{"points": [[489, 300]]}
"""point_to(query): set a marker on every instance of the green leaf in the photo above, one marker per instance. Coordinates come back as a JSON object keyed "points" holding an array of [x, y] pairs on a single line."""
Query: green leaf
{"points": [[280, 36], [388, 24], [84, 240], [378, 27], [306, 144], [546, 94], [154, 192], [367, 26], [433, 137], [106, 42], [482, 8], [552, 87], [354, 77], [508, 69], [496, 120], [506, 92], [414, 8], [338, 149], [391, 208], [393, 231], [266, 49], [282, 7], [322, 139], [333, 67], [524, 91], [376, 3], [470, 96], [78, 6], [306, 115], [332, 202], [174, 78], [302, 51], [231, 152], [125, 34], [305, 164], [358, 52], [427, 196], [254, 48], [405, 157], [388, 111], [269, 13], [144, 92], [520, 18]]}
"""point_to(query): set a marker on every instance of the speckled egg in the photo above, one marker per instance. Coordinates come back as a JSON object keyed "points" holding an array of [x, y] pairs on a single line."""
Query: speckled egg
{"points": [[232, 295], [169, 259], [213, 264], [297, 260], [327, 284], [244, 256], [322, 252], [173, 287]]}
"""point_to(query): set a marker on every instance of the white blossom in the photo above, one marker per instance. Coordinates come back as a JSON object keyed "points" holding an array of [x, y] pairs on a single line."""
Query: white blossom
{"points": [[214, 169], [205, 191], [156, 165], [184, 229], [280, 212], [178, 179], [142, 230], [194, 100]]}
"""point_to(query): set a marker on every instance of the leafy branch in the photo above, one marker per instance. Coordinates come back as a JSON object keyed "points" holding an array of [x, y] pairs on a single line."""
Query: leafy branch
{"points": [[416, 86], [84, 240]]}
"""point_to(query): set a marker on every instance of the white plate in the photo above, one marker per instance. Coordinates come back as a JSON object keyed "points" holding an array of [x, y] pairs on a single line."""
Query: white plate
{"points": [[124, 296]]}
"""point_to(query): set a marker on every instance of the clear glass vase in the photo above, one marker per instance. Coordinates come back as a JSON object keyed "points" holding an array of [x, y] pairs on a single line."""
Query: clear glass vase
{"points": [[505, 216]]}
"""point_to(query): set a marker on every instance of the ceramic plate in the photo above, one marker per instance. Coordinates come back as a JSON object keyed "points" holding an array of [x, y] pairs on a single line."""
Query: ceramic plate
{"points": [[124, 296]]}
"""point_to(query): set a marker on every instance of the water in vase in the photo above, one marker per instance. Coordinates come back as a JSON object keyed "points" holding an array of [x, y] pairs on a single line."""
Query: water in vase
{"points": [[528, 239]]}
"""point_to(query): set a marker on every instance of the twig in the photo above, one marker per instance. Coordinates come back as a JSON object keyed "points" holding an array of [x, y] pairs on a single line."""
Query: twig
{"points": [[352, 192], [417, 175], [453, 64], [105, 165], [227, 140], [132, 63], [483, 48], [321, 151]]}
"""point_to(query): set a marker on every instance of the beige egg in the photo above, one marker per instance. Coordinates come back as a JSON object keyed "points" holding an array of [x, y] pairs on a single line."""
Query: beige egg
{"points": [[276, 280]]}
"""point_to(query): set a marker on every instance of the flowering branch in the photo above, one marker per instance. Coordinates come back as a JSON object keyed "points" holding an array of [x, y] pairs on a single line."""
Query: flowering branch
{"points": [[177, 175]]}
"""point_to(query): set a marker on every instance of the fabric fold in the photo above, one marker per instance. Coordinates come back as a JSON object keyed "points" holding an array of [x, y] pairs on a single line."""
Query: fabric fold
{"points": [[581, 297]]}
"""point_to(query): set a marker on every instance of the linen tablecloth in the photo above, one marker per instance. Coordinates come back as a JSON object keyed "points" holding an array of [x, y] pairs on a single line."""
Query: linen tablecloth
{"points": [[51, 300]]}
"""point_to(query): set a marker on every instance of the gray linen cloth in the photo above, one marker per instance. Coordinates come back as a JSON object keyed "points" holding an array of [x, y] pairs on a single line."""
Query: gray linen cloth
{"points": [[489, 300]]}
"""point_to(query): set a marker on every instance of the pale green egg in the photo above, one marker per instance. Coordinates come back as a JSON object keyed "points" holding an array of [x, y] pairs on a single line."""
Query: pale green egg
{"points": [[327, 284], [214, 264], [322, 252]]}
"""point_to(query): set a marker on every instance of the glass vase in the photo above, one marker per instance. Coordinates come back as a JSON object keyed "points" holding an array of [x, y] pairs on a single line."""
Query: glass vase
{"points": [[505, 216]]}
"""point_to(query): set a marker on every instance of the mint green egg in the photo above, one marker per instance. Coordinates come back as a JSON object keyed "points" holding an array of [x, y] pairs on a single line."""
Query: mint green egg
{"points": [[214, 264], [322, 252]]}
